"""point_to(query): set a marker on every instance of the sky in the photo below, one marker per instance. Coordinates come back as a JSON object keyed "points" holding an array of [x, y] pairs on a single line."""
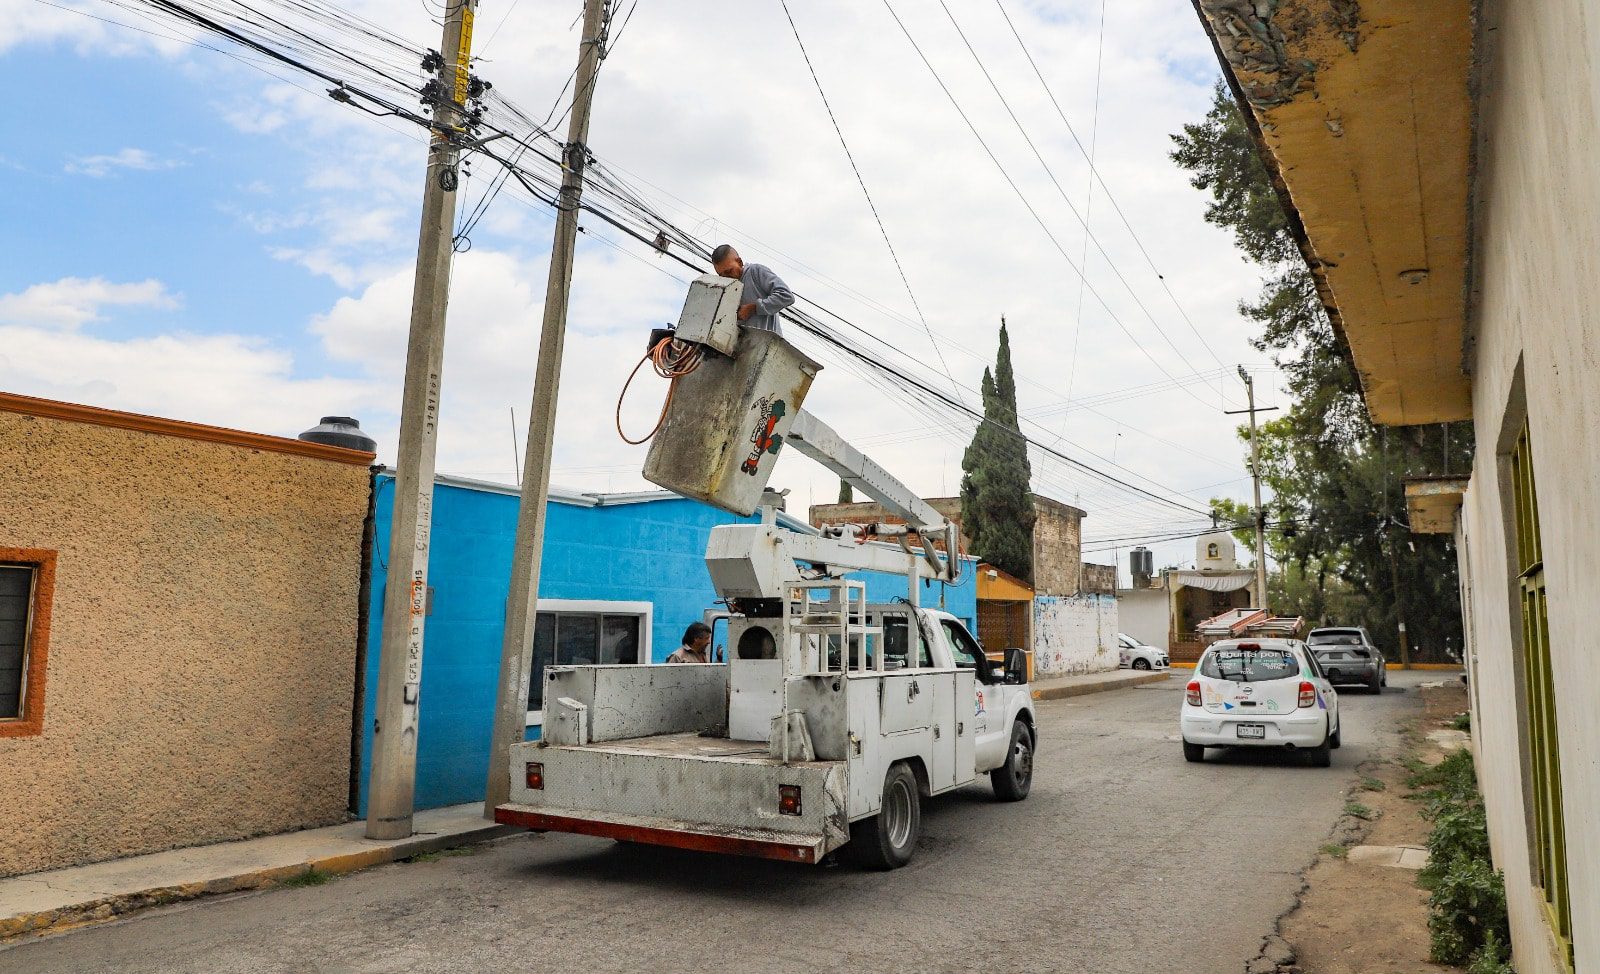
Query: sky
{"points": [[192, 236]]}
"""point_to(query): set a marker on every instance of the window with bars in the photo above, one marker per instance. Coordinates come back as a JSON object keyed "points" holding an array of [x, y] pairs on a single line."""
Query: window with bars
{"points": [[27, 587], [591, 633], [16, 610], [1539, 704]]}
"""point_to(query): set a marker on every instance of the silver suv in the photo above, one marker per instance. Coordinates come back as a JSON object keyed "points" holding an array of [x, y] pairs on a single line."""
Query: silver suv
{"points": [[1348, 656]]}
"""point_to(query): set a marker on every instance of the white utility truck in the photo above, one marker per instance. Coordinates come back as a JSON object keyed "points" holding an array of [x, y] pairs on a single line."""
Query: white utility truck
{"points": [[833, 718]]}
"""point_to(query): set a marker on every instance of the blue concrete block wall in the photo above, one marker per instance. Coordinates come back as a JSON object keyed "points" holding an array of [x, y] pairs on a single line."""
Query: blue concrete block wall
{"points": [[641, 552]]}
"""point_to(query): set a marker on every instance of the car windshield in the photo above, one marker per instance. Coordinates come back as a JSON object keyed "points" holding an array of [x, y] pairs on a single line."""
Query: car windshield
{"points": [[1335, 639], [1250, 665]]}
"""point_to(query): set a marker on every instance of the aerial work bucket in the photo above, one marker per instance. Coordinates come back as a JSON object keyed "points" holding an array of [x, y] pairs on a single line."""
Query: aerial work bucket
{"points": [[727, 420]]}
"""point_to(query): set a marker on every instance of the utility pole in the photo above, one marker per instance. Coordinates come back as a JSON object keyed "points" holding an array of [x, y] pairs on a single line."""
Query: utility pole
{"points": [[522, 606], [1255, 475], [392, 787]]}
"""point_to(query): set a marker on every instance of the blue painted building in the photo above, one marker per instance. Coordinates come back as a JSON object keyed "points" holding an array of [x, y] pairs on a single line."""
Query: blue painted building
{"points": [[622, 575]]}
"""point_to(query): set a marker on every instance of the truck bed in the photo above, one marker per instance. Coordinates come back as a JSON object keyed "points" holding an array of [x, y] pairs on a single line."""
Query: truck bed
{"points": [[684, 790]]}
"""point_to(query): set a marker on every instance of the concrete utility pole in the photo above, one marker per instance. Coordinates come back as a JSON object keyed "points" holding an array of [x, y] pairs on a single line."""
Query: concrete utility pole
{"points": [[1255, 475], [522, 606], [394, 739]]}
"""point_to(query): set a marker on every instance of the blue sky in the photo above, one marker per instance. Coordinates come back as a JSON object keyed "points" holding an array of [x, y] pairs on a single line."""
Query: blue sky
{"points": [[189, 236]]}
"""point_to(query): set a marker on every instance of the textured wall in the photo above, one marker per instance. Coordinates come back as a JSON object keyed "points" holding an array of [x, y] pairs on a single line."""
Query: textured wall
{"points": [[203, 641], [1074, 635], [1057, 548], [1538, 258], [1100, 579], [642, 552]]}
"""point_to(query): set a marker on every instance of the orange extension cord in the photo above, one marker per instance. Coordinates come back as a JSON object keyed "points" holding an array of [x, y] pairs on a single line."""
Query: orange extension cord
{"points": [[673, 359]]}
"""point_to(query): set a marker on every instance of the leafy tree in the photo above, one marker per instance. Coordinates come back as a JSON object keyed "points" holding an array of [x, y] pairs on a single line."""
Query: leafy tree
{"points": [[996, 505], [846, 494], [1345, 555]]}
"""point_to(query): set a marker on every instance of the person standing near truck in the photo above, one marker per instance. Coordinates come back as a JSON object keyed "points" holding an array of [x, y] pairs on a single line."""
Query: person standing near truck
{"points": [[765, 294], [696, 646]]}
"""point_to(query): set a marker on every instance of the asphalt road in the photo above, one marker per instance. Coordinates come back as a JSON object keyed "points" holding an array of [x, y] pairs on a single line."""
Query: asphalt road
{"points": [[1124, 860]]}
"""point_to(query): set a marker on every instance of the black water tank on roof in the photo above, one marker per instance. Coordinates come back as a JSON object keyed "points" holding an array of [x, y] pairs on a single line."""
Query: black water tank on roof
{"points": [[341, 431]]}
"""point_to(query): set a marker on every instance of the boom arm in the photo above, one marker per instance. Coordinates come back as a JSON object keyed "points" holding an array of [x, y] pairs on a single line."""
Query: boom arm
{"points": [[818, 441]]}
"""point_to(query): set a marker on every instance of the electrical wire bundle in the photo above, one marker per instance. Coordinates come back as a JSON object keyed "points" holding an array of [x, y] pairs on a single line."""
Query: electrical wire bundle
{"points": [[376, 71], [672, 358]]}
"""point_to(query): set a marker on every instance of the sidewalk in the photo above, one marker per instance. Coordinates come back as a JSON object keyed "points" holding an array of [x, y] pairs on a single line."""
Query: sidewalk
{"points": [[65, 898], [1077, 686]]}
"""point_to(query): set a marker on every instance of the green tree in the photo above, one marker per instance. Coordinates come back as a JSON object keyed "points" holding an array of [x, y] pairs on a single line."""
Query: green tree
{"points": [[1344, 552], [846, 494], [996, 505]]}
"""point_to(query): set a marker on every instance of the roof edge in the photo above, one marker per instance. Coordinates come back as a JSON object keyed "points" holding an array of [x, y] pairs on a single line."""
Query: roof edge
{"points": [[70, 412]]}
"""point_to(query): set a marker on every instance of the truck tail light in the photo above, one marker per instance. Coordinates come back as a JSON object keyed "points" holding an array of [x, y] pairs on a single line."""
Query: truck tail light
{"points": [[1308, 695], [788, 799], [535, 775], [1191, 694]]}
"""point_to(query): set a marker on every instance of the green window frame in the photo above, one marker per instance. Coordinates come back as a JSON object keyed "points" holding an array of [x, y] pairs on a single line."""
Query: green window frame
{"points": [[1542, 731]]}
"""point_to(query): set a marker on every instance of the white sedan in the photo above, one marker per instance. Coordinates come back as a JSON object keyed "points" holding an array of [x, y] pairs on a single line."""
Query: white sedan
{"points": [[1134, 655], [1260, 693]]}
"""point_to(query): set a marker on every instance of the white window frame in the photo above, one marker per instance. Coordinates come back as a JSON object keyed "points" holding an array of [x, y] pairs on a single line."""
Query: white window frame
{"points": [[645, 611]]}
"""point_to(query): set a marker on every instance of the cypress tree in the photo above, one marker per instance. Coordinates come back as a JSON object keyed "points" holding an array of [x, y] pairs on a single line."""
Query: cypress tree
{"points": [[846, 495], [996, 505]]}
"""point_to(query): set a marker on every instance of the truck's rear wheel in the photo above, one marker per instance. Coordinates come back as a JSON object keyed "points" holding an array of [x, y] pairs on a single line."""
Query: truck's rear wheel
{"points": [[887, 840], [1013, 780]]}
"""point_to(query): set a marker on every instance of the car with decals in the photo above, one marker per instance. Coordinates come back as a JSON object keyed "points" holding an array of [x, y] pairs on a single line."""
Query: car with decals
{"points": [[1260, 693]]}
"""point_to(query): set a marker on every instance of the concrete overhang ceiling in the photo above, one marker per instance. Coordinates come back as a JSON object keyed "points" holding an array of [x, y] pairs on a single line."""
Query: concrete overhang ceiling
{"points": [[1432, 502], [1365, 119]]}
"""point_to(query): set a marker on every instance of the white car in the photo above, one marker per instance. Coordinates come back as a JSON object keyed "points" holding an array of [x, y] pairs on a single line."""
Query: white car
{"points": [[1132, 654], [1260, 693]]}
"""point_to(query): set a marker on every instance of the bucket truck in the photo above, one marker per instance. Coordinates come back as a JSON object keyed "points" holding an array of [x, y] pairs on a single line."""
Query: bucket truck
{"points": [[834, 718]]}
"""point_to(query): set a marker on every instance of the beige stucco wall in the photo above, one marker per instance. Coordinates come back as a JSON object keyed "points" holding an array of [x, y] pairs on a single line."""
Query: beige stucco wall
{"points": [[1538, 264], [202, 656]]}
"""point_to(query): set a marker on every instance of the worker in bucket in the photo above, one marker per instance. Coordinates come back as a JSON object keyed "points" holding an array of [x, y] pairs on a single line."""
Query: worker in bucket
{"points": [[696, 646], [765, 294]]}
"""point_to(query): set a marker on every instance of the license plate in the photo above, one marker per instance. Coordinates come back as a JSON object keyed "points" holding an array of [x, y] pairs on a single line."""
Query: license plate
{"points": [[1251, 730]]}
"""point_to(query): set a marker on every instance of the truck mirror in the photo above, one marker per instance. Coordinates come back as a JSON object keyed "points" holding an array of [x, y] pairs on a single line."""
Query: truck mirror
{"points": [[1016, 665]]}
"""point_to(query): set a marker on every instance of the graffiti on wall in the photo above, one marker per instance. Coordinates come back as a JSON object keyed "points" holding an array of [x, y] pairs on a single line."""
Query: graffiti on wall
{"points": [[1074, 635]]}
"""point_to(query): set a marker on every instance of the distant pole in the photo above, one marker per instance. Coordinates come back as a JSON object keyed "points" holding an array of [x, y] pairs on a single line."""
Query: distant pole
{"points": [[522, 606], [392, 787], [1255, 475]]}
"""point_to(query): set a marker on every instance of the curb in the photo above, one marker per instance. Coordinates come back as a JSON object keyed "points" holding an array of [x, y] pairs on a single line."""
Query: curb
{"points": [[108, 907], [1099, 686]]}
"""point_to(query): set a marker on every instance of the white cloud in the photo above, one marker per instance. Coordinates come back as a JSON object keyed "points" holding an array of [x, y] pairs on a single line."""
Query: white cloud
{"points": [[737, 131], [73, 301], [100, 166]]}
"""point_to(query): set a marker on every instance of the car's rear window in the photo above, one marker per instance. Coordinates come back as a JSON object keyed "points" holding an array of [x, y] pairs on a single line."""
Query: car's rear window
{"points": [[1250, 665], [1335, 639]]}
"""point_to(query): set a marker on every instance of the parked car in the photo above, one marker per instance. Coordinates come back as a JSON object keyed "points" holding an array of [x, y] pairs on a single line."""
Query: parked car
{"points": [[1260, 693], [1348, 656], [1132, 654]]}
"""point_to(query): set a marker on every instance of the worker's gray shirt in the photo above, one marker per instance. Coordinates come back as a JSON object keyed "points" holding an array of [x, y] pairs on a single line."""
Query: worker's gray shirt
{"points": [[770, 295]]}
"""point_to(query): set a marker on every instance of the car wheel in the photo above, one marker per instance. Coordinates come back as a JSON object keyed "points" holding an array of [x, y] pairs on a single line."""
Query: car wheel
{"points": [[1013, 780], [1375, 685], [1321, 756], [1337, 740], [1141, 664], [888, 839], [1194, 753]]}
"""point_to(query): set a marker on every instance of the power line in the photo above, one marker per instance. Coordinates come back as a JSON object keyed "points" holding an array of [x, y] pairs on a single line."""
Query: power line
{"points": [[1088, 205], [1088, 233], [1088, 155], [1023, 197], [860, 181]]}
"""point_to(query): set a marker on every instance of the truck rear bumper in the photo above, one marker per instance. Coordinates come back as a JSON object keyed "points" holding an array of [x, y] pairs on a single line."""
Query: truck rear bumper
{"points": [[760, 843]]}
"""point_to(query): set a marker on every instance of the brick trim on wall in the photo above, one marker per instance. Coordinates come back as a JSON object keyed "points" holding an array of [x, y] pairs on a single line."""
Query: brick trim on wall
{"points": [[31, 723], [75, 413]]}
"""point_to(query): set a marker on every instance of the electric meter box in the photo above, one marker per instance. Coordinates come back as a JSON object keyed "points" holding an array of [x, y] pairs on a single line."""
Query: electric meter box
{"points": [[727, 421], [711, 313]]}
